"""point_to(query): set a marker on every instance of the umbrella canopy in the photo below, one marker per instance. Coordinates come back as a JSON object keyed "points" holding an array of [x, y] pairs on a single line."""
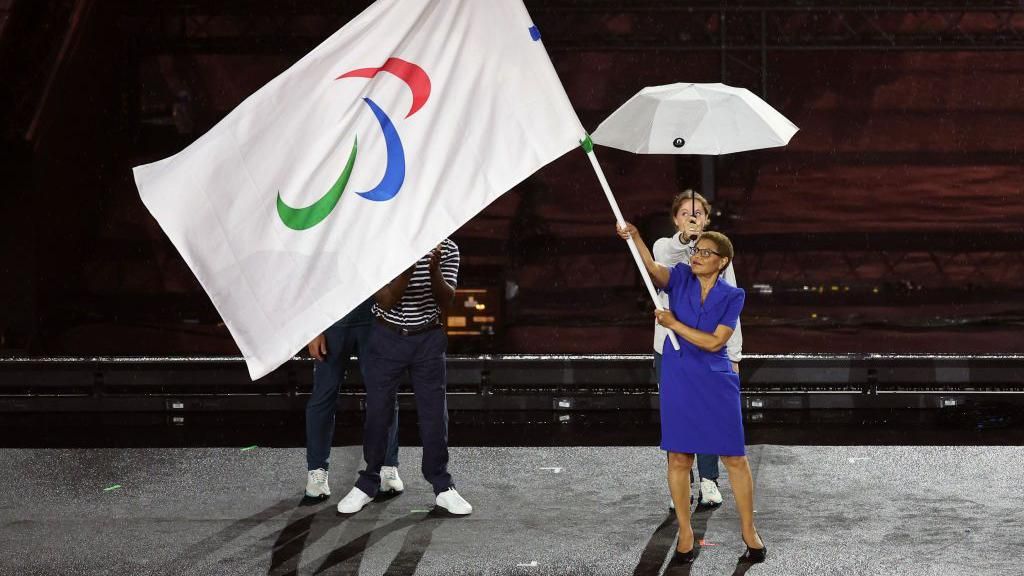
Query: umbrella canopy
{"points": [[694, 119]]}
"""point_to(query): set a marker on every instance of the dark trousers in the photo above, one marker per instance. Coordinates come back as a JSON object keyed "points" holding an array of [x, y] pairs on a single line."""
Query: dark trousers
{"points": [[343, 341], [707, 464], [423, 356]]}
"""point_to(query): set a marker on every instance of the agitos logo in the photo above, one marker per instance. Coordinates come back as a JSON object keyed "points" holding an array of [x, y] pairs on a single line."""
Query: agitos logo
{"points": [[394, 173]]}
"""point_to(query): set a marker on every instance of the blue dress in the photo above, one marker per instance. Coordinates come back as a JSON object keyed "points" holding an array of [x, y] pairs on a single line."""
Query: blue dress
{"points": [[700, 394]]}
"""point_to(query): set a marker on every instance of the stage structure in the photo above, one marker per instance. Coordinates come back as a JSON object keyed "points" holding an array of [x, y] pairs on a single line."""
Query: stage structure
{"points": [[50, 49], [559, 385]]}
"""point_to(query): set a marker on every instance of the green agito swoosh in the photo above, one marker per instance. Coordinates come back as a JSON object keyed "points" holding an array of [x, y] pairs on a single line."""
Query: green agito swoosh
{"points": [[305, 218]]}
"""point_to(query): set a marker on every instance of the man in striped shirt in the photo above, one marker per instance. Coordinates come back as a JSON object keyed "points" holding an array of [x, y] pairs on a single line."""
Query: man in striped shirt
{"points": [[407, 335]]}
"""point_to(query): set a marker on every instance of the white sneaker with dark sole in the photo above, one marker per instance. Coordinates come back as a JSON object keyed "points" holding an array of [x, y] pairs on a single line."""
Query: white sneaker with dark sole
{"points": [[389, 480], [316, 484], [354, 501], [453, 503], [709, 494]]}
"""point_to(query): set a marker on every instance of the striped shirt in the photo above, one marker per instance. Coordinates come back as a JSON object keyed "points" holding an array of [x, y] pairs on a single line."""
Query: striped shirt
{"points": [[418, 305]]}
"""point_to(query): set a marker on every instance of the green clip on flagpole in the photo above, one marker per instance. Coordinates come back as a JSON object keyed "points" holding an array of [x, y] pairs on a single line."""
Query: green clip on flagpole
{"points": [[588, 147]]}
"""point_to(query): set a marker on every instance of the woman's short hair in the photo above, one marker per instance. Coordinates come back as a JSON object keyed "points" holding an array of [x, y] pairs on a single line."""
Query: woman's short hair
{"points": [[688, 196], [722, 243]]}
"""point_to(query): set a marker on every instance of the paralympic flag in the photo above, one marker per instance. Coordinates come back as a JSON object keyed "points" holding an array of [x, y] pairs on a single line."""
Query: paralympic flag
{"points": [[337, 175]]}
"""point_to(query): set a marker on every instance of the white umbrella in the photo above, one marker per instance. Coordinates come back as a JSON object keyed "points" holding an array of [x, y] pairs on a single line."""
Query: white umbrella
{"points": [[688, 118]]}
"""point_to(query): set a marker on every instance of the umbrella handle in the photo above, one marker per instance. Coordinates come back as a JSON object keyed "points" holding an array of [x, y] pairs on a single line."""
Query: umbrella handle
{"points": [[588, 146]]}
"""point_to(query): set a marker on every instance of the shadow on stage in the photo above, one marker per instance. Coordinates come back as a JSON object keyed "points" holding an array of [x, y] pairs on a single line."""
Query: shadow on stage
{"points": [[312, 519], [663, 542], [305, 528]]}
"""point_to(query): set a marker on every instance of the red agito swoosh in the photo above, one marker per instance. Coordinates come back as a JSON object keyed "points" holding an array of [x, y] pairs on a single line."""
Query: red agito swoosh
{"points": [[413, 75]]}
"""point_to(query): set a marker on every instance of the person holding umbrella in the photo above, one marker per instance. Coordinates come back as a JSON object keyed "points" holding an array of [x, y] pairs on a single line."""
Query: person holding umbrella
{"points": [[691, 213], [700, 392]]}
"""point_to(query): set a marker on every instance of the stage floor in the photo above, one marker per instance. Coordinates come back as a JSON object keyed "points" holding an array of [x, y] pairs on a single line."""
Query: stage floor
{"points": [[922, 510]]}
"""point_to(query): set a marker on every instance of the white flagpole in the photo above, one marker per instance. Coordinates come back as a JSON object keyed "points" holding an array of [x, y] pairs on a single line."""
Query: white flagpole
{"points": [[588, 147]]}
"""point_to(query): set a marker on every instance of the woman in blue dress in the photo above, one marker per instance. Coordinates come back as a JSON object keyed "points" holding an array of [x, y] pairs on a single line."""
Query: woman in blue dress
{"points": [[700, 392]]}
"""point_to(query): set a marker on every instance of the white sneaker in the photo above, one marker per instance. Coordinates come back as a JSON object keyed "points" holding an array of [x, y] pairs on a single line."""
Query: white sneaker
{"points": [[389, 480], [316, 484], [709, 494], [453, 503], [354, 501]]}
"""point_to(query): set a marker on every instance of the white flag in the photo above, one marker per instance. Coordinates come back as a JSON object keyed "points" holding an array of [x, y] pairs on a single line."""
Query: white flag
{"points": [[341, 172]]}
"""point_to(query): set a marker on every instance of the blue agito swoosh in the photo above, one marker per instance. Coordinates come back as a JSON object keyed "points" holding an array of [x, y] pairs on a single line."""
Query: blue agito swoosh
{"points": [[394, 173]]}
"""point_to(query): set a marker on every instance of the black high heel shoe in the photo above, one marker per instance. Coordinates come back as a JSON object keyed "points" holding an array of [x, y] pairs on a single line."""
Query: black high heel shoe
{"points": [[685, 557], [753, 555]]}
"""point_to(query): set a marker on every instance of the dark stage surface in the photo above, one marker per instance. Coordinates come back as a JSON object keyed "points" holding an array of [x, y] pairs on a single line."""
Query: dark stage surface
{"points": [[930, 490], [822, 510]]}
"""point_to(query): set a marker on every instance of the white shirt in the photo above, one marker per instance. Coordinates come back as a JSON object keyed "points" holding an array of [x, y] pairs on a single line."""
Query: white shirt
{"points": [[672, 251]]}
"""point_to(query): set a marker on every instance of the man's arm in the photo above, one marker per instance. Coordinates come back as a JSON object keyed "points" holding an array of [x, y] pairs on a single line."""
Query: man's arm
{"points": [[393, 291], [444, 293], [318, 347]]}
